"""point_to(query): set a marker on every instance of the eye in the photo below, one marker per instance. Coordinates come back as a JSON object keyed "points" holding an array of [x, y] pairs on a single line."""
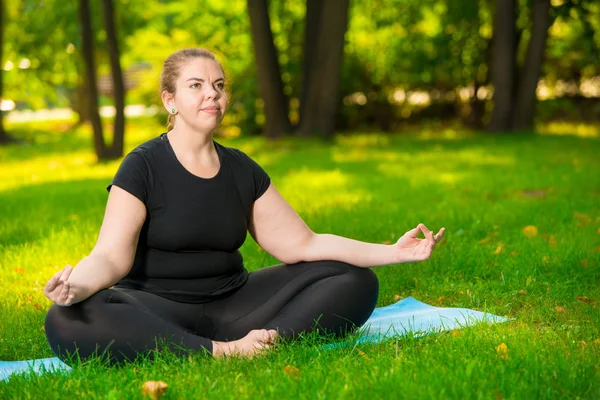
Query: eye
{"points": [[221, 85], [195, 85]]}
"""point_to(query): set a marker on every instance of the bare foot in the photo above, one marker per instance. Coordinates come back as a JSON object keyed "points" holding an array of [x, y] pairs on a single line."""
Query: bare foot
{"points": [[253, 343]]}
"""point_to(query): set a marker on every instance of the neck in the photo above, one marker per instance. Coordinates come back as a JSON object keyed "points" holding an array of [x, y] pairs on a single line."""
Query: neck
{"points": [[190, 142]]}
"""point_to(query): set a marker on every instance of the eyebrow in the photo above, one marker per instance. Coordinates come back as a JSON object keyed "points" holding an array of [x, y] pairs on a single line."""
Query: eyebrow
{"points": [[202, 80]]}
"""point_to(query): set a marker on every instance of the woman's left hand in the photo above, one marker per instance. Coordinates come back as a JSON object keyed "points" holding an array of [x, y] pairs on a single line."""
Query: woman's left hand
{"points": [[409, 248]]}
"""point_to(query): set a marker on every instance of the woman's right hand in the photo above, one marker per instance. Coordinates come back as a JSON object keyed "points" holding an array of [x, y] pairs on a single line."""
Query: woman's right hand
{"points": [[58, 289]]}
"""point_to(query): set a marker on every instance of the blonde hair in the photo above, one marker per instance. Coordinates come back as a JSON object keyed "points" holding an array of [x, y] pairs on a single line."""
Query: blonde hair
{"points": [[172, 67]]}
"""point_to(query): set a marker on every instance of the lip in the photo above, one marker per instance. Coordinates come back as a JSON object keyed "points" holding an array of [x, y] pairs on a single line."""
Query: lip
{"points": [[211, 110]]}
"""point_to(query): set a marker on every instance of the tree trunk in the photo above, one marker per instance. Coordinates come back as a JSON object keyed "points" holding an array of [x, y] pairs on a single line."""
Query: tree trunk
{"points": [[311, 39], [275, 101], [116, 149], [503, 65], [90, 76], [322, 82], [530, 74], [3, 135]]}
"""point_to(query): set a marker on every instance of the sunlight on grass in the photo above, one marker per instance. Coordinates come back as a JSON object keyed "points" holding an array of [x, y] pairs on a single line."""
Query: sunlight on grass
{"points": [[569, 128], [55, 168], [311, 191]]}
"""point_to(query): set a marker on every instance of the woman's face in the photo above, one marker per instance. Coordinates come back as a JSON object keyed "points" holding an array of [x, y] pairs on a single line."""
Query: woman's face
{"points": [[200, 98]]}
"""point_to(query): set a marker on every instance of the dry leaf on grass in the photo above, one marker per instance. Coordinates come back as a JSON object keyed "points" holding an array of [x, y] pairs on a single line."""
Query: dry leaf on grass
{"points": [[582, 218], [560, 309], [397, 297], [363, 354], [291, 370], [498, 248], [530, 231], [585, 299], [154, 389], [502, 351]]}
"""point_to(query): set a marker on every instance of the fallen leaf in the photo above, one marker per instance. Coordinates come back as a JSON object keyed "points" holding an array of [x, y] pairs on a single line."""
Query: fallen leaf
{"points": [[584, 263], [522, 291], [363, 354], [534, 193], [597, 342], [19, 270], [397, 297], [552, 241], [455, 332], [582, 218], [441, 299], [560, 309], [584, 299], [154, 389], [37, 306], [498, 249], [461, 292], [502, 351], [291, 370], [530, 231], [514, 254]]}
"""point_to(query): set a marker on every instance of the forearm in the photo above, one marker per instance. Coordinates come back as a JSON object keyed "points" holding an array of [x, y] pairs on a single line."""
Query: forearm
{"points": [[361, 254], [92, 274]]}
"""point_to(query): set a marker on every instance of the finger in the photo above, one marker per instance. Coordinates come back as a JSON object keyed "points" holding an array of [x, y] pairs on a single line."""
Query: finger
{"points": [[53, 282], [413, 232], [428, 234], [66, 273], [440, 235], [64, 294]]}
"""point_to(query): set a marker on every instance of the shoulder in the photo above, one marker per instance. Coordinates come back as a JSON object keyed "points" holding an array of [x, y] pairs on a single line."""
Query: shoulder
{"points": [[150, 147], [235, 156]]}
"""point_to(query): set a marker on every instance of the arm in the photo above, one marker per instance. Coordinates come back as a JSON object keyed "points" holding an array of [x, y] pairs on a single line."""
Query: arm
{"points": [[279, 230], [112, 256]]}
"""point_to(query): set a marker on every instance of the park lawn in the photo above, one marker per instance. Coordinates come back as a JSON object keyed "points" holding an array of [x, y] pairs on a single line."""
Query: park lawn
{"points": [[523, 241]]}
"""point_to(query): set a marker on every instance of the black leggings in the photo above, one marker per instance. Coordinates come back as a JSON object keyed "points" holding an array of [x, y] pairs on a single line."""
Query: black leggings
{"points": [[331, 296]]}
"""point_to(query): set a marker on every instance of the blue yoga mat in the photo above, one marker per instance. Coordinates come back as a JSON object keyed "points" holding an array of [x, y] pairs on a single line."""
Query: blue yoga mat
{"points": [[406, 317]]}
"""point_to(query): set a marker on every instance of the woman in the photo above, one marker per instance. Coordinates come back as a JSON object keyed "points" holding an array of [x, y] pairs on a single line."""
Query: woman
{"points": [[166, 265]]}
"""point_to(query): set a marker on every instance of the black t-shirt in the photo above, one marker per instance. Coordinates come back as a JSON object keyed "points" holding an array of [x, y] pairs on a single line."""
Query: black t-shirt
{"points": [[188, 245]]}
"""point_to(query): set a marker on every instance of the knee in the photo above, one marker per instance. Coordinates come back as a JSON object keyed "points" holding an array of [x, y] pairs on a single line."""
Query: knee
{"points": [[364, 277], [59, 330], [363, 281]]}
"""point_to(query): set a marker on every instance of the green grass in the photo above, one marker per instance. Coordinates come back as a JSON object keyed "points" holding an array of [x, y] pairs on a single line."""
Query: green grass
{"points": [[483, 189]]}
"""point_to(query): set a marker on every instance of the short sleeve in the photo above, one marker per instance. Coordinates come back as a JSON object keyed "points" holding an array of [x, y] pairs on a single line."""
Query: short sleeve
{"points": [[133, 176], [261, 178]]}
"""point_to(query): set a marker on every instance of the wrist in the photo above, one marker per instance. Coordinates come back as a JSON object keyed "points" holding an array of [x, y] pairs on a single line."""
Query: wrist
{"points": [[396, 254]]}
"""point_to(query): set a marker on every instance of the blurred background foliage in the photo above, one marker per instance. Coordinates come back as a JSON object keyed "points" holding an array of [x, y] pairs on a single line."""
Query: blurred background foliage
{"points": [[404, 61]]}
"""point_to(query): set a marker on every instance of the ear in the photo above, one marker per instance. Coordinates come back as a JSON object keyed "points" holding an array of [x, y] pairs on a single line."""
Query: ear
{"points": [[168, 100]]}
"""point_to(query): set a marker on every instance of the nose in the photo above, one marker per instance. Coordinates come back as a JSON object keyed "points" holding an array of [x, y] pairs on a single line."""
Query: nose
{"points": [[210, 92]]}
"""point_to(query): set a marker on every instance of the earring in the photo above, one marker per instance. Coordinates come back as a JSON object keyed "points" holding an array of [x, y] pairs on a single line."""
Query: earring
{"points": [[173, 111]]}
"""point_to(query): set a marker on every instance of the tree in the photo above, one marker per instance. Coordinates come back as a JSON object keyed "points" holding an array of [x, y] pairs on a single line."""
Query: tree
{"points": [[514, 87], [325, 27], [503, 65], [103, 151], [269, 76], [117, 78], [3, 135]]}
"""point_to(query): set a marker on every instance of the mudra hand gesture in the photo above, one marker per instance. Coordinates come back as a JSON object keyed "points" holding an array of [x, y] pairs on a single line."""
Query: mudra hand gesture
{"points": [[58, 289], [409, 248]]}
